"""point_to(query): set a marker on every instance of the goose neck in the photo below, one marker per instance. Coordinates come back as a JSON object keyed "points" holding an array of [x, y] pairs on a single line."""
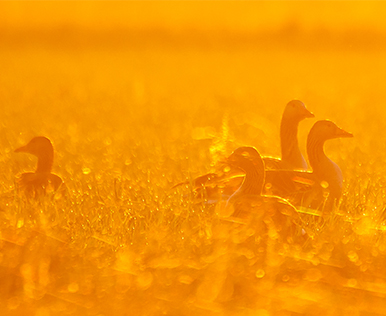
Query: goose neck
{"points": [[45, 163], [315, 151], [253, 181], [288, 137]]}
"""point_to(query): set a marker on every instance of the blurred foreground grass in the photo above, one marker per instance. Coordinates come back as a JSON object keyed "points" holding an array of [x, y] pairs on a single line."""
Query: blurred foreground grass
{"points": [[127, 124]]}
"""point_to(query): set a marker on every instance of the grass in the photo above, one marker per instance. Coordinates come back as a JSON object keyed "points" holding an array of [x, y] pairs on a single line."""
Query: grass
{"points": [[127, 124]]}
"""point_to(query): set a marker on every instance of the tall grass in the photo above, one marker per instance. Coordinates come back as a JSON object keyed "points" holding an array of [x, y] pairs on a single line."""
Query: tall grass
{"points": [[127, 125]]}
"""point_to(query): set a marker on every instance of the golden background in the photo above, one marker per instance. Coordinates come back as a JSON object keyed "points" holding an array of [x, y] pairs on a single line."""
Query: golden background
{"points": [[138, 96]]}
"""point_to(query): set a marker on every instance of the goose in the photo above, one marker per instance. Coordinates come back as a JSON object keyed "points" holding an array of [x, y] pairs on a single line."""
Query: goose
{"points": [[291, 157], [42, 181], [210, 185], [321, 188], [273, 214]]}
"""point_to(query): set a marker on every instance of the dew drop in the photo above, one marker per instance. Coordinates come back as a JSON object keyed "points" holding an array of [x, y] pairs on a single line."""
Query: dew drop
{"points": [[285, 278], [324, 184], [260, 273], [86, 170]]}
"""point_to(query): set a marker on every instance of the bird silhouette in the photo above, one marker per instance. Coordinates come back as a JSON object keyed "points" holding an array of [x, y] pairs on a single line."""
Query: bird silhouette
{"points": [[320, 189], [42, 181], [291, 157], [274, 215]]}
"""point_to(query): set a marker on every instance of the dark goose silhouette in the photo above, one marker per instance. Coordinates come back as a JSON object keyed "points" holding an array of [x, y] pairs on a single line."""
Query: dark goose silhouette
{"points": [[320, 189], [291, 157], [42, 181], [273, 214]]}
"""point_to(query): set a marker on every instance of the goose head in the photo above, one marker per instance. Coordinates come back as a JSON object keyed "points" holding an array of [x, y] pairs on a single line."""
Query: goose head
{"points": [[249, 161], [324, 130], [38, 146], [296, 111], [246, 158], [42, 148]]}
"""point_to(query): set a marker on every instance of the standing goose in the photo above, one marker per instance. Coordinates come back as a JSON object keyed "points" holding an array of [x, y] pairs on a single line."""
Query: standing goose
{"points": [[42, 181], [291, 157], [326, 172], [308, 189], [274, 215]]}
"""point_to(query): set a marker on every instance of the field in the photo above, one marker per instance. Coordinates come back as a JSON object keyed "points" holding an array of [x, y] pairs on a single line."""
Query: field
{"points": [[131, 112]]}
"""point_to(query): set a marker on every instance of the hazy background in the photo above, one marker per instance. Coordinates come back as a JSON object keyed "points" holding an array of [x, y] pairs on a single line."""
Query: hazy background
{"points": [[138, 96], [168, 71], [200, 15]]}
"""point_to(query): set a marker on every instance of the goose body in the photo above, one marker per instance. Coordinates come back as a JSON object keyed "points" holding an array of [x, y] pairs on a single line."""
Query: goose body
{"points": [[273, 214], [42, 181], [309, 189]]}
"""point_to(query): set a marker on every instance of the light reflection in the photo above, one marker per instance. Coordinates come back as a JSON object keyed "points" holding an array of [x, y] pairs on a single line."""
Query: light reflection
{"points": [[157, 93]]}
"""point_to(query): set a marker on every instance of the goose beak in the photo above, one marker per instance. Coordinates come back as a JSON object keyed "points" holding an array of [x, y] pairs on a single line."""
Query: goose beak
{"points": [[308, 114], [22, 149], [342, 133]]}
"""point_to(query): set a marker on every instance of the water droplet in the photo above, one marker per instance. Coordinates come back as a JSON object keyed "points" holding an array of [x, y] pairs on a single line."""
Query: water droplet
{"points": [[86, 170], [260, 273], [353, 256], [324, 184], [20, 223]]}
